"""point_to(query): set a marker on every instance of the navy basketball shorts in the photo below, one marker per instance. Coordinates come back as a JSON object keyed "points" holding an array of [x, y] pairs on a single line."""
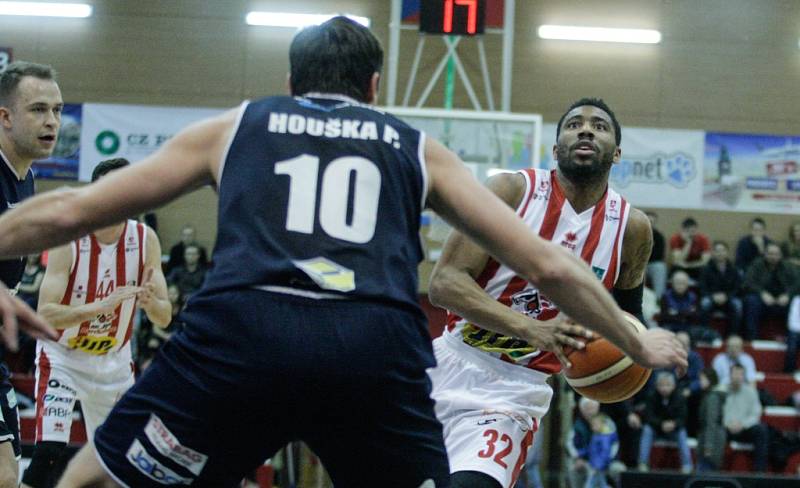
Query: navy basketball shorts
{"points": [[9, 417], [254, 370]]}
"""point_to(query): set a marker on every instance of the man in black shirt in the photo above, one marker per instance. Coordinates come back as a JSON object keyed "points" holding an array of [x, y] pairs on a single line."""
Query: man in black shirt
{"points": [[657, 267], [30, 115], [720, 282]]}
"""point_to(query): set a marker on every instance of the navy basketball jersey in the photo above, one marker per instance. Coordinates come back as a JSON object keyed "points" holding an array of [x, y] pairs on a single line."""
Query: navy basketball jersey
{"points": [[12, 191], [321, 196]]}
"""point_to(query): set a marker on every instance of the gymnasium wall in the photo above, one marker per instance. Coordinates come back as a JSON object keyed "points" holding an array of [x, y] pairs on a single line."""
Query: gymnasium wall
{"points": [[723, 65]]}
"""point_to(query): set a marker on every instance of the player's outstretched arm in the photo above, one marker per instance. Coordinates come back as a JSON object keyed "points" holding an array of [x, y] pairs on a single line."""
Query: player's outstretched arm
{"points": [[153, 298], [186, 162], [478, 213], [56, 279]]}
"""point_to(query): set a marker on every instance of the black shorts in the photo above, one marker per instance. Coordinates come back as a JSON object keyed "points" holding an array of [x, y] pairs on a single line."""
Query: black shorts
{"points": [[9, 417], [253, 370]]}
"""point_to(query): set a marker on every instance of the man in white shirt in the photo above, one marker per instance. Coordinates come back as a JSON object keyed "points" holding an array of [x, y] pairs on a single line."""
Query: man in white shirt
{"points": [[734, 354]]}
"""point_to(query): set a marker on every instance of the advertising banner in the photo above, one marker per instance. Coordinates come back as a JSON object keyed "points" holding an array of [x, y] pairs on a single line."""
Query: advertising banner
{"points": [[130, 131], [659, 168], [752, 173]]}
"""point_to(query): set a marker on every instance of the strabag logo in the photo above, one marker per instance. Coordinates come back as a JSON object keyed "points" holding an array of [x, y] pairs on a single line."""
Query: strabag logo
{"points": [[676, 169], [144, 462], [167, 444]]}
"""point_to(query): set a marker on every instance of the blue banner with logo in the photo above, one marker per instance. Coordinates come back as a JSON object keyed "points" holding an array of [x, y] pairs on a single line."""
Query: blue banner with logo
{"points": [[64, 163], [753, 173], [659, 167]]}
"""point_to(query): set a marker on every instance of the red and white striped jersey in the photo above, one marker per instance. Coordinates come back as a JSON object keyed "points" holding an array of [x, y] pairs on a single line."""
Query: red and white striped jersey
{"points": [[595, 235], [97, 270]]}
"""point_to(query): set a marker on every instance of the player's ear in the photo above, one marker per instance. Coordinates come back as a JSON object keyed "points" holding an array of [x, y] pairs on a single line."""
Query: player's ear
{"points": [[617, 155], [374, 84], [5, 118]]}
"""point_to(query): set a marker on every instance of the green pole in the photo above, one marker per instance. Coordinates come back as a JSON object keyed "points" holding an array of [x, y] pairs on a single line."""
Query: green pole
{"points": [[449, 89]]}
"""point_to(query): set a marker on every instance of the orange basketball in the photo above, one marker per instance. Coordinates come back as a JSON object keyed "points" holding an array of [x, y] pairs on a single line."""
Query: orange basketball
{"points": [[602, 372]]}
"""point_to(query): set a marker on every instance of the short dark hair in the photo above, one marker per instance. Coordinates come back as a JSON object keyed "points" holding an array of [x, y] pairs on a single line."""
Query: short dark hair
{"points": [[108, 166], [338, 56], [594, 102], [688, 222], [10, 78], [758, 220]]}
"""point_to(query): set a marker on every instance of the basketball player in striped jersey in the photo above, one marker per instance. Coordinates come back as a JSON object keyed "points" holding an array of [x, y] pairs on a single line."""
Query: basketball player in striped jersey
{"points": [[90, 293], [489, 384]]}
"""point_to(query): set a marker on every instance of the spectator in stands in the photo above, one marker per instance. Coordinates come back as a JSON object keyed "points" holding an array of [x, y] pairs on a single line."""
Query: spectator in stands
{"points": [[626, 416], [651, 307], [657, 266], [665, 418], [690, 249], [178, 252], [768, 285], [680, 307], [150, 339], [720, 282], [734, 354], [793, 337], [603, 447], [711, 433], [753, 245], [689, 384], [742, 417], [578, 443], [31, 281], [791, 248], [189, 277]]}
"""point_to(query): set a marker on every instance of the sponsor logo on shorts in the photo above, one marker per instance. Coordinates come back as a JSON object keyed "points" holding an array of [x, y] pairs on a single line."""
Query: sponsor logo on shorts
{"points": [[144, 462], [57, 384], [486, 421], [58, 427], [59, 412], [167, 444], [50, 398]]}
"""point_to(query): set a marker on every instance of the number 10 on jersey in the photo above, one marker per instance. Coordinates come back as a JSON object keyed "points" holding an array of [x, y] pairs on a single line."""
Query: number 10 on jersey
{"points": [[340, 178]]}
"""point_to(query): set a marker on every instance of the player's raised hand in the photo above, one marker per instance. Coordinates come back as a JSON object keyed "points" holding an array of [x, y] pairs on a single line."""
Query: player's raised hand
{"points": [[17, 315], [556, 334], [661, 349]]}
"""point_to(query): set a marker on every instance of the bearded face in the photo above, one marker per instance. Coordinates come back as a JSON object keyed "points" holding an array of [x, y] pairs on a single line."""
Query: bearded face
{"points": [[586, 146]]}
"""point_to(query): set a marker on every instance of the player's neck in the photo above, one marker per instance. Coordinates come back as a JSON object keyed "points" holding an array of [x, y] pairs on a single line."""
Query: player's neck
{"points": [[109, 235], [582, 195], [20, 164]]}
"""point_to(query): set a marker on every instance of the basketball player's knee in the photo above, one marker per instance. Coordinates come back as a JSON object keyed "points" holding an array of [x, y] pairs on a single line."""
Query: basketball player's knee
{"points": [[473, 479], [45, 459]]}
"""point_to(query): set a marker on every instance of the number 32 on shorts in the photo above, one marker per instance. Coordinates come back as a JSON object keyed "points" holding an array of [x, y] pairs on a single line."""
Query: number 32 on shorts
{"points": [[495, 451]]}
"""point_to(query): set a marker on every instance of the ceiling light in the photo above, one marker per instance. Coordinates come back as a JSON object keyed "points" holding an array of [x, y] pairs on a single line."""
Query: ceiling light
{"points": [[283, 19], [599, 34], [43, 9]]}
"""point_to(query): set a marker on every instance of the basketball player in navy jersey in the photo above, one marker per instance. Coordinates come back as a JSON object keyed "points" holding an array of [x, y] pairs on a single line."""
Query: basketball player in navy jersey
{"points": [[490, 387], [30, 115], [320, 337]]}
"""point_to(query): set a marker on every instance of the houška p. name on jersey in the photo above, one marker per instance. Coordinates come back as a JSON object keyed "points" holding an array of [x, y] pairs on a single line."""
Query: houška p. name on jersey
{"points": [[320, 196], [595, 235], [97, 270]]}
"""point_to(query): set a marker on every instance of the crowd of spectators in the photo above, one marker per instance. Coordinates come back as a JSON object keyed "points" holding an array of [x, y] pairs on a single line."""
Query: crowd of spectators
{"points": [[698, 288]]}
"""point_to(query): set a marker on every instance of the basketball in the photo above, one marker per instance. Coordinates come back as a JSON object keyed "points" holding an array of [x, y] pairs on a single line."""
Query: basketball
{"points": [[602, 372]]}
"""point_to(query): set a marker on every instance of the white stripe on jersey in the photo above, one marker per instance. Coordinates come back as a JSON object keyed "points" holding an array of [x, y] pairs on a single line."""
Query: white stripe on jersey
{"points": [[595, 235], [96, 271]]}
